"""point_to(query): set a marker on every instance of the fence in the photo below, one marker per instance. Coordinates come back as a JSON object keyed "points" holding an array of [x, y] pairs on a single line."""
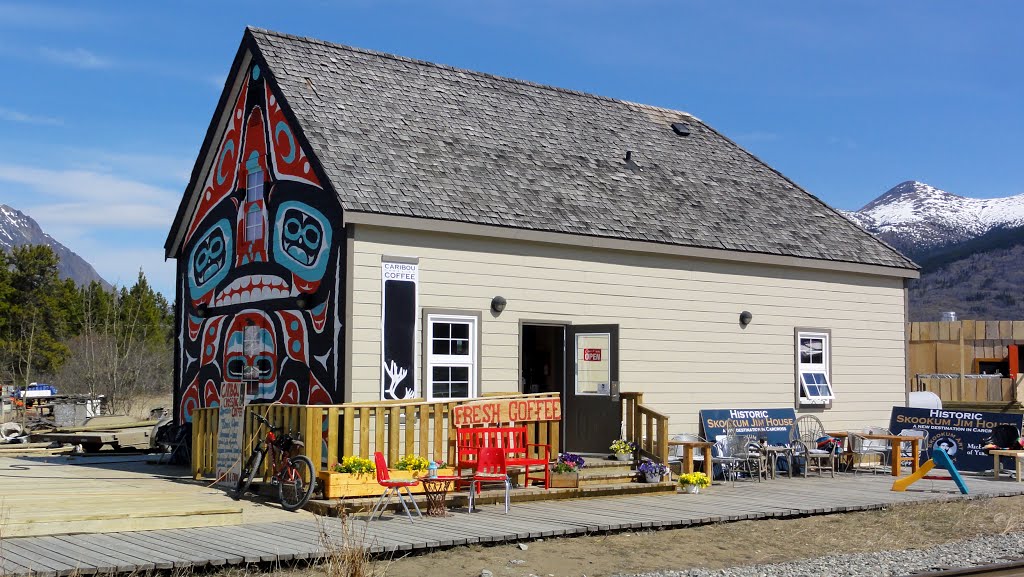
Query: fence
{"points": [[948, 356], [395, 428], [645, 427]]}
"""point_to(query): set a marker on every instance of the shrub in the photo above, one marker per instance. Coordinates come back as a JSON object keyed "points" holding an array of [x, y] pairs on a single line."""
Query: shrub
{"points": [[697, 478], [412, 463], [354, 465], [621, 447]]}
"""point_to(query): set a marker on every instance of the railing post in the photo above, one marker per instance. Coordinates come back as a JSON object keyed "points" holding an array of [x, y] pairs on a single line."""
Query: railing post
{"points": [[332, 436], [394, 430], [663, 440]]}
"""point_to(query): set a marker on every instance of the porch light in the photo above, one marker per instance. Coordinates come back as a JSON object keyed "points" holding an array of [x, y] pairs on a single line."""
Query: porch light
{"points": [[745, 318], [498, 304]]}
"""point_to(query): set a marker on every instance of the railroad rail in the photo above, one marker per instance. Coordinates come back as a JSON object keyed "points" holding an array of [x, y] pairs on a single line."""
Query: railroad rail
{"points": [[1006, 569]]}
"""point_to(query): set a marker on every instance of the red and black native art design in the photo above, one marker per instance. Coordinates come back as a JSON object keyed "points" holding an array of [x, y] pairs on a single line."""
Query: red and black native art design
{"points": [[258, 267]]}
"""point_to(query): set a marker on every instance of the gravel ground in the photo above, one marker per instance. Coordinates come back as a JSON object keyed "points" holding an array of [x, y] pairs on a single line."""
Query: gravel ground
{"points": [[967, 553]]}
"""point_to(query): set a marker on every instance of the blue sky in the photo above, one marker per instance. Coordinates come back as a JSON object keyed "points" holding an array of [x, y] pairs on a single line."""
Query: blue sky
{"points": [[103, 106]]}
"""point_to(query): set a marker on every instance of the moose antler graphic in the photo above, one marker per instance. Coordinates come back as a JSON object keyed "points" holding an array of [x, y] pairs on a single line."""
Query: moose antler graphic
{"points": [[396, 375]]}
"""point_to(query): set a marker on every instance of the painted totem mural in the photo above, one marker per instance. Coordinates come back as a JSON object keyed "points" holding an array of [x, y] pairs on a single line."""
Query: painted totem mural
{"points": [[259, 268]]}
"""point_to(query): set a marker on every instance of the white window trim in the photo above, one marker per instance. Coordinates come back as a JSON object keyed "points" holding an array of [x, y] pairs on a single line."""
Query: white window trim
{"points": [[451, 360], [824, 367]]}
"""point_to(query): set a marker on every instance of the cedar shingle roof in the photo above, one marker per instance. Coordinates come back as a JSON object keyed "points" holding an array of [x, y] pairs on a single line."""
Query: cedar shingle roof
{"points": [[403, 137]]}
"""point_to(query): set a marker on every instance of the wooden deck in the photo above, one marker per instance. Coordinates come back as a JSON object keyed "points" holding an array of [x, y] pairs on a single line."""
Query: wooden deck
{"points": [[101, 494], [298, 536]]}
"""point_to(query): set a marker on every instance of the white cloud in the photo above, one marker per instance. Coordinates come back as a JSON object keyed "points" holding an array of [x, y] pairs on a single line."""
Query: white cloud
{"points": [[16, 116], [98, 188], [77, 57]]}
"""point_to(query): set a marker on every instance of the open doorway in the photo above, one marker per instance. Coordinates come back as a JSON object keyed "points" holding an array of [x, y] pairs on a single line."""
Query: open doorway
{"points": [[543, 358]]}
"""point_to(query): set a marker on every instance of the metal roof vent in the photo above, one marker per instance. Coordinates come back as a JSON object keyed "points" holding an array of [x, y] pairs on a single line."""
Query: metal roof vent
{"points": [[680, 129], [631, 164]]}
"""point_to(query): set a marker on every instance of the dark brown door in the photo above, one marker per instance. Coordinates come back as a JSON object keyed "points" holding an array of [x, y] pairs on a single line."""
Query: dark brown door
{"points": [[591, 420]]}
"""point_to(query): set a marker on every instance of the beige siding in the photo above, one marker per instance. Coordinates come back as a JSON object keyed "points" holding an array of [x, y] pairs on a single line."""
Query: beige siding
{"points": [[680, 339]]}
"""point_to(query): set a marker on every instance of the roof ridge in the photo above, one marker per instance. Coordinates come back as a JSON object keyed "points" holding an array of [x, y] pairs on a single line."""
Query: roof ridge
{"points": [[451, 68]]}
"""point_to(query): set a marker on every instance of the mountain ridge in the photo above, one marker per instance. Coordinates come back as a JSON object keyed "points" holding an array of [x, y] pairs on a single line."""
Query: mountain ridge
{"points": [[19, 229]]}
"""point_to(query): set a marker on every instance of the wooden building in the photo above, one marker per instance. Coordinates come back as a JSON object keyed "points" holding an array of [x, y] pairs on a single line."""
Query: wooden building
{"points": [[361, 226]]}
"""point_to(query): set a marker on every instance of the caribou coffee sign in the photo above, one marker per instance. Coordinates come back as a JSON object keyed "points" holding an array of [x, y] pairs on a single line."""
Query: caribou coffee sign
{"points": [[506, 411]]}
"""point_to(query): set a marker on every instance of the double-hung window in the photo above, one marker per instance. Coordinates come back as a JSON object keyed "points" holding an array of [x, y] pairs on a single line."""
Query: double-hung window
{"points": [[813, 349], [253, 213], [452, 351]]}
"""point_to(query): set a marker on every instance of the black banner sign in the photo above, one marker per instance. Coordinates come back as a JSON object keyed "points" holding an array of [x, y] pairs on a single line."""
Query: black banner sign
{"points": [[960, 433], [398, 330]]}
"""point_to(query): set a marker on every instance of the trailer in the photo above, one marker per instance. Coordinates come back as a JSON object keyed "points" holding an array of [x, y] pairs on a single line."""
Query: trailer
{"points": [[117, 432]]}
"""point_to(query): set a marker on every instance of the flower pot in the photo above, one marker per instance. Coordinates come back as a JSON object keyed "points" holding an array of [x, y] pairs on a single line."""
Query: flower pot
{"points": [[338, 485], [652, 478], [623, 456], [565, 480], [694, 489]]}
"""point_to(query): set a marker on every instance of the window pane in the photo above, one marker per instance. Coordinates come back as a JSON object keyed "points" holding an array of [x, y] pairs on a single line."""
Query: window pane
{"points": [[442, 330], [440, 374], [460, 331], [460, 347], [441, 390], [460, 390], [441, 347], [811, 351], [460, 374]]}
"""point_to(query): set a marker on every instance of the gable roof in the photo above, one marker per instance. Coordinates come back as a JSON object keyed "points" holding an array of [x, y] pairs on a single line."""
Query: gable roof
{"points": [[402, 137]]}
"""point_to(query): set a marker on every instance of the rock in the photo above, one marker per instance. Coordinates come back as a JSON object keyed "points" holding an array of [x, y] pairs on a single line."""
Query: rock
{"points": [[517, 562], [524, 546], [486, 573]]}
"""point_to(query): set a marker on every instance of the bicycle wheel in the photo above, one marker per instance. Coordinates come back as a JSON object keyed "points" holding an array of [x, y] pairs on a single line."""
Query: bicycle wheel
{"points": [[252, 466], [296, 482]]}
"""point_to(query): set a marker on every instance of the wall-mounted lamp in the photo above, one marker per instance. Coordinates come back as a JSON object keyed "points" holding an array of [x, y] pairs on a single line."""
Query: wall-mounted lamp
{"points": [[498, 304], [745, 318], [303, 302], [202, 310]]}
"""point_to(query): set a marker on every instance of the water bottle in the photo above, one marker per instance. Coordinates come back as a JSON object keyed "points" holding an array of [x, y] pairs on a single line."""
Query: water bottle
{"points": [[432, 470]]}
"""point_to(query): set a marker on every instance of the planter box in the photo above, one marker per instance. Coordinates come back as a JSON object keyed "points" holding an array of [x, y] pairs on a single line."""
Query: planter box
{"points": [[338, 485], [565, 480]]}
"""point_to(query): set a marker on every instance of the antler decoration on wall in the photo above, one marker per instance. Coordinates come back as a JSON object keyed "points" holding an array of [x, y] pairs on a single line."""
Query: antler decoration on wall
{"points": [[397, 375]]}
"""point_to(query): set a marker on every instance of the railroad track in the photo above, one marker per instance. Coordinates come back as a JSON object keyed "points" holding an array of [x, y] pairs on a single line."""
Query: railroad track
{"points": [[1007, 569]]}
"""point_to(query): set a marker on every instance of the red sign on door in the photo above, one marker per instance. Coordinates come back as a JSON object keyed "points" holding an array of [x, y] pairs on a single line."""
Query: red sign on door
{"points": [[591, 354]]}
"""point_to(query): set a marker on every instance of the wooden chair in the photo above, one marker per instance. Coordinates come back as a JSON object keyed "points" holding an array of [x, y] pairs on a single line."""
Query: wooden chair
{"points": [[392, 487], [490, 468], [804, 440]]}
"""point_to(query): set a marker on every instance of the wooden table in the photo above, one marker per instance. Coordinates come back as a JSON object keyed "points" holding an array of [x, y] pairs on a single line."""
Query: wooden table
{"points": [[436, 491], [773, 452], [996, 453], [688, 447], [894, 450]]}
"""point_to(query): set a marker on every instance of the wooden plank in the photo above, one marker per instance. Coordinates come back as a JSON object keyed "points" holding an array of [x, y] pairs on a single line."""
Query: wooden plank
{"points": [[333, 429], [915, 332], [26, 552], [1005, 330], [424, 431], [943, 333], [379, 429], [410, 430], [967, 330], [1018, 331], [394, 434], [440, 454], [954, 331], [348, 432], [991, 330], [364, 432], [979, 330]]}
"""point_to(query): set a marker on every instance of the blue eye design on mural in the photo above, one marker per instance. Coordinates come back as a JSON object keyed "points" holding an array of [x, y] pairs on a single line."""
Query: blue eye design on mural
{"points": [[302, 239], [208, 263]]}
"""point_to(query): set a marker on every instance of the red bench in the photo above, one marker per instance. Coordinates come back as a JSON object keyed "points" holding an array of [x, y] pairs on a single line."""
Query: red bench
{"points": [[517, 450]]}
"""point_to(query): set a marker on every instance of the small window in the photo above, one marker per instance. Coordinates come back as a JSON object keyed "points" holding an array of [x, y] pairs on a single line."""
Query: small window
{"points": [[813, 367], [253, 213], [451, 356]]}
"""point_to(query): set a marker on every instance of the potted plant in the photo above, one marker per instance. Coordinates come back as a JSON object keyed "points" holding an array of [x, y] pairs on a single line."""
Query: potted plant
{"points": [[565, 471], [623, 449], [652, 472], [352, 477], [694, 482]]}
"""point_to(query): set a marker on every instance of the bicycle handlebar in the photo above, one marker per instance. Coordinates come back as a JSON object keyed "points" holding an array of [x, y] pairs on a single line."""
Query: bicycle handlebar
{"points": [[264, 420]]}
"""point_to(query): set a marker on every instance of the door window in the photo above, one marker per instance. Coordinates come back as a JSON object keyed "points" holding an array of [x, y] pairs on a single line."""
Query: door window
{"points": [[593, 364]]}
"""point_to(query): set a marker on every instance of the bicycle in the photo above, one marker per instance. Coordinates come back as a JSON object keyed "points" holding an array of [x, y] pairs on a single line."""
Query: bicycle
{"points": [[294, 475]]}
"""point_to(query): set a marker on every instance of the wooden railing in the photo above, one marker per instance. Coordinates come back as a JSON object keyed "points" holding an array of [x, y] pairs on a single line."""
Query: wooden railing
{"points": [[645, 427], [395, 428]]}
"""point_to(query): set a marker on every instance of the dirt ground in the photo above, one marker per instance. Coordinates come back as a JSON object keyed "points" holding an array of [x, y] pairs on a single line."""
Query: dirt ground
{"points": [[713, 546]]}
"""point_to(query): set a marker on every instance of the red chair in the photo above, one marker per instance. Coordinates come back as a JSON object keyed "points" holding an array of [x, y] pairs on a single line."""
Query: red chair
{"points": [[392, 487], [490, 468]]}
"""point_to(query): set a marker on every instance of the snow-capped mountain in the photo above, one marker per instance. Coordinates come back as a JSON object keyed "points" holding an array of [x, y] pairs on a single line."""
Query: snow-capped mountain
{"points": [[917, 218], [17, 229]]}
